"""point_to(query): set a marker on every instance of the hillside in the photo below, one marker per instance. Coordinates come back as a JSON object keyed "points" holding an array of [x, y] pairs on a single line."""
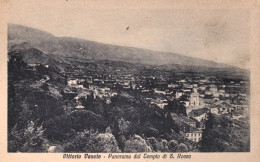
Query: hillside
{"points": [[25, 37]]}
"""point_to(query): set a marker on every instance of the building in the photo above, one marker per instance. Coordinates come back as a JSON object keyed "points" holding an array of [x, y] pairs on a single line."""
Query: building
{"points": [[173, 85], [194, 134], [201, 117], [191, 122], [178, 94], [185, 103], [194, 98], [214, 111], [73, 82], [159, 91]]}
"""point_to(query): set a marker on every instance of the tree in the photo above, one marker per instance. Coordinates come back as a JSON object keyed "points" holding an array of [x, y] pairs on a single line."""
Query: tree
{"points": [[106, 143], [173, 146], [136, 144], [154, 144], [207, 136], [164, 146], [176, 107], [183, 148], [82, 142], [92, 141], [123, 126], [30, 139]]}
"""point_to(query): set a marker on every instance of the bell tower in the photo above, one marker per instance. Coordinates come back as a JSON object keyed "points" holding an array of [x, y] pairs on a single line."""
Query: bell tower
{"points": [[194, 98]]}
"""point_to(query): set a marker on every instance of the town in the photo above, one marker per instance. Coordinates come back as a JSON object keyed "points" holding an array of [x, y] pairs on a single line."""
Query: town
{"points": [[182, 101], [201, 94]]}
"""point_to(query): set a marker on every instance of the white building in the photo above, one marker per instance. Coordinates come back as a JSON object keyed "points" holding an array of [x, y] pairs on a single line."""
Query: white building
{"points": [[194, 98], [178, 94], [194, 135], [73, 82]]}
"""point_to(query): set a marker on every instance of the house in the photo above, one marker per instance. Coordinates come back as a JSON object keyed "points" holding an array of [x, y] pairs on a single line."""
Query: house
{"points": [[201, 117], [72, 82], [214, 111], [200, 113], [201, 125], [79, 106], [203, 88], [160, 103], [223, 110], [187, 90], [159, 91], [208, 93], [78, 86], [114, 94], [183, 81], [178, 94], [108, 101], [195, 85], [186, 103], [186, 85], [216, 94], [194, 134], [173, 85], [222, 91], [191, 122], [202, 95], [145, 90]]}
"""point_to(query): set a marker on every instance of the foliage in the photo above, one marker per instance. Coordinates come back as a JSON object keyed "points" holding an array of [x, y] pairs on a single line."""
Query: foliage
{"points": [[183, 148], [136, 144], [30, 139], [217, 135], [176, 107], [91, 141], [62, 127], [164, 146], [173, 146], [129, 123], [154, 144], [82, 142], [106, 143]]}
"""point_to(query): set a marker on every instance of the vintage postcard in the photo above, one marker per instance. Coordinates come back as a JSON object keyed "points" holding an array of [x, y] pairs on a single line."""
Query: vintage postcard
{"points": [[129, 80]]}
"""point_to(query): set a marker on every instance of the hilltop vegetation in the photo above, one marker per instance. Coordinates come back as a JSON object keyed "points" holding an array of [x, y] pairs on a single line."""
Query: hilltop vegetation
{"points": [[128, 124]]}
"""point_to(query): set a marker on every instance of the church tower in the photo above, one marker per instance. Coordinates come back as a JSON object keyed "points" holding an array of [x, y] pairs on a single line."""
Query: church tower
{"points": [[194, 98]]}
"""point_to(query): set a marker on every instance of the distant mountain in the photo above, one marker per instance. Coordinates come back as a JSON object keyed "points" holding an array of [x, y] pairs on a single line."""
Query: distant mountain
{"points": [[21, 37]]}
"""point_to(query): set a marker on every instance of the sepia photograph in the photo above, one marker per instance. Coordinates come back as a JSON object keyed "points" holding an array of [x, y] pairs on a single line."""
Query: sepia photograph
{"points": [[97, 79]]}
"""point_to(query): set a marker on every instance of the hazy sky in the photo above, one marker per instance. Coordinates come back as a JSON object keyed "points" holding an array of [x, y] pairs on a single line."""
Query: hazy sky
{"points": [[220, 35]]}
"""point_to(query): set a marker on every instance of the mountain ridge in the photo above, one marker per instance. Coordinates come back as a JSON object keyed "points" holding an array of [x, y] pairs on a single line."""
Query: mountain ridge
{"points": [[76, 47]]}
